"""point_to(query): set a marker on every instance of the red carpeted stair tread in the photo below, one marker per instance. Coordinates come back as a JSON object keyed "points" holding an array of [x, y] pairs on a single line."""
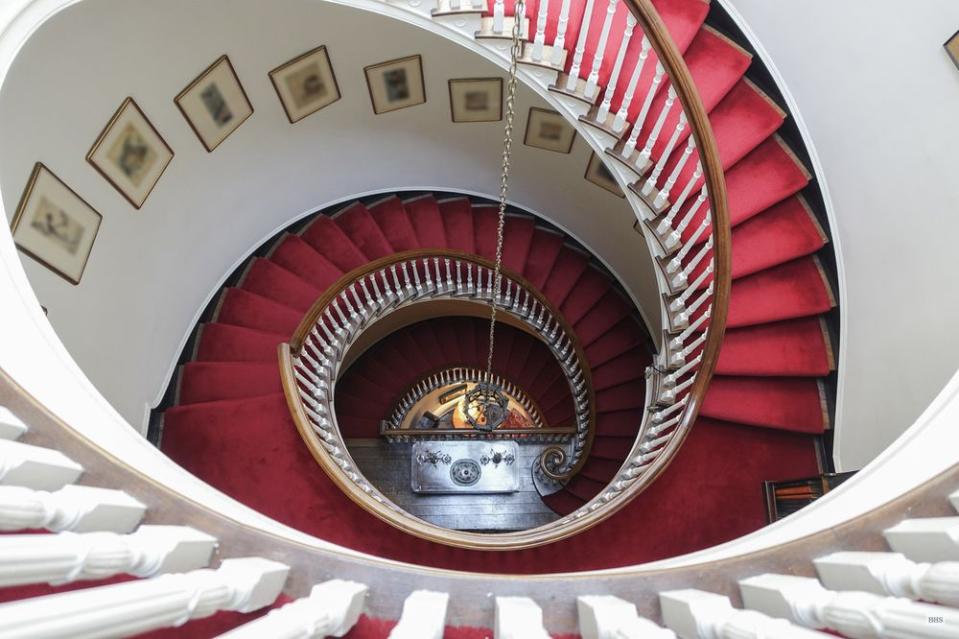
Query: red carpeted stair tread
{"points": [[563, 502], [270, 280], [744, 119], [600, 470], [607, 313], [543, 251], [769, 174], [425, 217], [610, 447], [390, 215], [786, 231], [619, 423], [583, 487], [794, 404], [790, 348], [227, 343], [449, 342], [330, 241], [567, 269], [792, 290], [519, 230], [622, 336], [625, 367], [457, 217], [632, 394], [243, 308], [299, 258], [556, 402], [364, 233], [586, 292], [212, 381], [716, 64], [518, 356]]}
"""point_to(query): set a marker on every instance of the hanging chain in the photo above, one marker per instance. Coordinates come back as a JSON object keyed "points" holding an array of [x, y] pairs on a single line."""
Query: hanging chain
{"points": [[519, 12]]}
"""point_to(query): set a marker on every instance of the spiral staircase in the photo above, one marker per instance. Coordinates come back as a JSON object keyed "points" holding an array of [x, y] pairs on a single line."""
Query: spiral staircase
{"points": [[740, 367]]}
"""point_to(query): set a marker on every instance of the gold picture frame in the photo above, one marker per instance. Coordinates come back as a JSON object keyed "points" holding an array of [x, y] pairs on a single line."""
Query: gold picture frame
{"points": [[130, 153], [952, 48], [476, 99], [305, 84], [54, 225], [396, 84], [215, 103], [548, 130], [599, 174]]}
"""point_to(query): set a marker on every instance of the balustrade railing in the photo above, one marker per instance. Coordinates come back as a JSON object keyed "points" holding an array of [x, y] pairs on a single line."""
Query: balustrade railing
{"points": [[311, 363]]}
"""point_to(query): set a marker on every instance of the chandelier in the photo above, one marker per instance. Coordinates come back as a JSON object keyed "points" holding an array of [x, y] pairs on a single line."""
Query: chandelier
{"points": [[487, 406]]}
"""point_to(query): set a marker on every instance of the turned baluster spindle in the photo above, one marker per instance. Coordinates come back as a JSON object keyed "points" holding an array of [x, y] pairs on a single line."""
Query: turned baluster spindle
{"points": [[677, 261], [647, 151], [643, 112], [664, 156], [539, 41], [592, 82], [559, 44], [604, 108], [662, 198], [499, 16], [580, 51], [622, 115]]}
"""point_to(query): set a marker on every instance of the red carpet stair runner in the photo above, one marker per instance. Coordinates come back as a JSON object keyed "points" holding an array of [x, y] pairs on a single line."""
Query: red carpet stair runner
{"points": [[231, 426]]}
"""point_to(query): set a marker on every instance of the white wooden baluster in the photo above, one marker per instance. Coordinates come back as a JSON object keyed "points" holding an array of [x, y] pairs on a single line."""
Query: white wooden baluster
{"points": [[518, 618], [499, 16], [858, 615], [424, 616], [647, 151], [10, 425], [455, 5], [662, 198], [681, 320], [890, 573], [241, 585], [35, 467], [643, 112], [673, 238], [608, 617], [954, 500], [559, 44], [683, 195], [680, 302], [66, 557], [331, 610], [670, 145], [479, 4], [539, 41], [927, 539], [694, 614], [678, 359], [75, 508], [676, 263], [592, 82], [619, 122], [680, 339], [573, 78], [610, 91], [682, 277]]}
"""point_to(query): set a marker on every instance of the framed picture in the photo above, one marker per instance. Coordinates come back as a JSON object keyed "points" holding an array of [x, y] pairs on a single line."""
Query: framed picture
{"points": [[599, 174], [396, 84], [130, 153], [215, 103], [305, 84], [952, 48], [549, 130], [476, 99], [54, 225]]}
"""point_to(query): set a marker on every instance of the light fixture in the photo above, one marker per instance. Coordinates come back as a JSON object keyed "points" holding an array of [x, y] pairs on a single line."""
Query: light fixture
{"points": [[486, 405]]}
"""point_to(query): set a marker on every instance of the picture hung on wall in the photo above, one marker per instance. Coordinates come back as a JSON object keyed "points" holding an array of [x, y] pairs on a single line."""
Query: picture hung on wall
{"points": [[215, 103], [54, 225], [396, 84], [130, 153], [476, 99], [952, 48], [549, 130], [305, 84], [598, 173]]}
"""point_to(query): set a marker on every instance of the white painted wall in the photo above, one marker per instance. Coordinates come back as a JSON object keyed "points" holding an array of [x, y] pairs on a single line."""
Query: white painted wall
{"points": [[878, 99], [152, 270]]}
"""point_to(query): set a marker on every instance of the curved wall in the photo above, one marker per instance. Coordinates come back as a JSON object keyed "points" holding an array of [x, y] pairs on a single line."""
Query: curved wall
{"points": [[152, 270], [876, 97]]}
